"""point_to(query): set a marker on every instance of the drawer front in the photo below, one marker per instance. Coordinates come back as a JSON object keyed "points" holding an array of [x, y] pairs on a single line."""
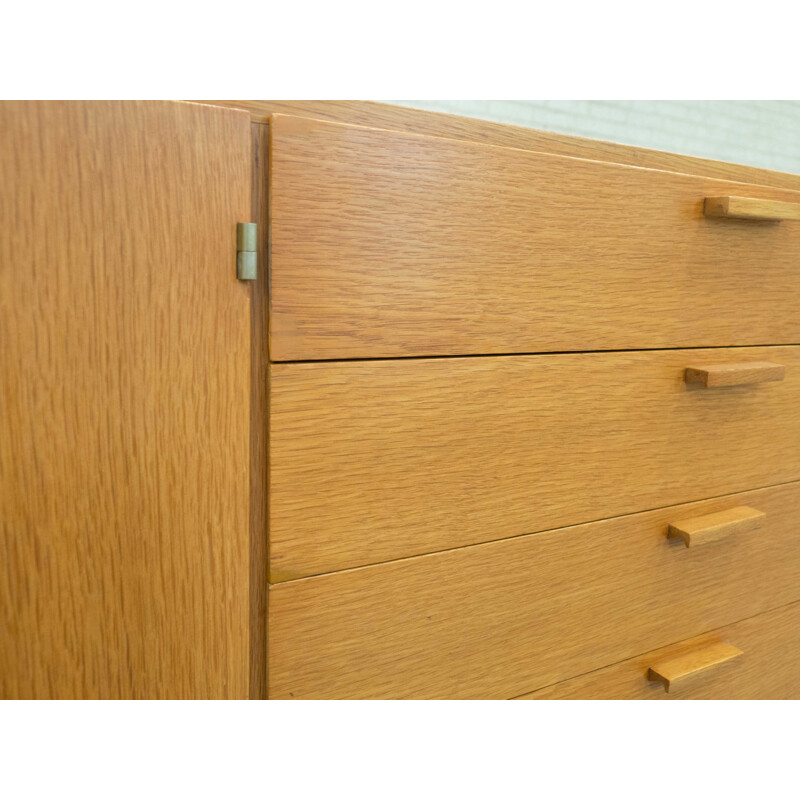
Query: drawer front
{"points": [[500, 619], [374, 461], [766, 669], [390, 244]]}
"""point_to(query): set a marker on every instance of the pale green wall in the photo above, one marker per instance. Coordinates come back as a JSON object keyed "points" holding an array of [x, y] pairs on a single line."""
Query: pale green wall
{"points": [[763, 133]]}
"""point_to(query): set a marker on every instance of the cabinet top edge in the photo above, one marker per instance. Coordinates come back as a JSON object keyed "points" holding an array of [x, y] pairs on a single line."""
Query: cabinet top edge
{"points": [[434, 123]]}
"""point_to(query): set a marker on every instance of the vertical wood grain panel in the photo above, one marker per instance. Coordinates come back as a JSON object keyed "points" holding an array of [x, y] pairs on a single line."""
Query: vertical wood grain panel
{"points": [[259, 454], [124, 432]]}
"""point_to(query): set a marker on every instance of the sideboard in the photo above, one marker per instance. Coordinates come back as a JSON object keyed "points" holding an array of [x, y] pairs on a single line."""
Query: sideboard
{"points": [[341, 400]]}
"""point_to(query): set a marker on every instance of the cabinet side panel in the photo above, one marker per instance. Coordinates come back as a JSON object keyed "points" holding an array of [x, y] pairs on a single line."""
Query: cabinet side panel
{"points": [[125, 395]]}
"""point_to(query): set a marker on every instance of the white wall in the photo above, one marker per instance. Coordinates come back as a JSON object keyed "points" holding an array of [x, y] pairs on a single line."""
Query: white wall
{"points": [[762, 133]]}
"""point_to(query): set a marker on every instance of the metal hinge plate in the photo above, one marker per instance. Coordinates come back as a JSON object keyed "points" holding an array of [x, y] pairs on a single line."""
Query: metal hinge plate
{"points": [[246, 247]]}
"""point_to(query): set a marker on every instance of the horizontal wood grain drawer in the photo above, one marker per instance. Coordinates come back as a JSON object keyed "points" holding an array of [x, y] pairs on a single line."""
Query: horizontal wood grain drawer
{"points": [[766, 669], [391, 244], [500, 619], [377, 460]]}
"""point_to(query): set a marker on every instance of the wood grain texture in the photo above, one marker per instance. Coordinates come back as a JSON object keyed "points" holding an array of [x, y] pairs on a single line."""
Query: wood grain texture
{"points": [[767, 669], [386, 244], [681, 671], [496, 620], [259, 399], [377, 460], [698, 531], [735, 374], [751, 208], [125, 396], [452, 126]]}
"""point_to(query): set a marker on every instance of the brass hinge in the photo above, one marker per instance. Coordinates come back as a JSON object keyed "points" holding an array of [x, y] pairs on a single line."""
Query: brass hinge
{"points": [[246, 255]]}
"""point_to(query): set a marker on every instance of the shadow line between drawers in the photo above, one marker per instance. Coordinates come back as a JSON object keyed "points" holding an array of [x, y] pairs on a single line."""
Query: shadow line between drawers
{"points": [[534, 353]]}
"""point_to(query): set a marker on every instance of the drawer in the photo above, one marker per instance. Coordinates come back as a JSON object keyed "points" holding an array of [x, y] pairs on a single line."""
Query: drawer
{"points": [[390, 244], [377, 460], [766, 668], [500, 619]]}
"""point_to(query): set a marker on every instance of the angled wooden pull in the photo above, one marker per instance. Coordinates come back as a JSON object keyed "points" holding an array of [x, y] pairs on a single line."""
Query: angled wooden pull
{"points": [[751, 208], [676, 672], [713, 527], [715, 375]]}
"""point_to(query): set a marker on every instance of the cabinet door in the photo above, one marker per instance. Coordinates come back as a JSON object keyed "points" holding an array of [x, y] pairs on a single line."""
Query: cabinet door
{"points": [[124, 401]]}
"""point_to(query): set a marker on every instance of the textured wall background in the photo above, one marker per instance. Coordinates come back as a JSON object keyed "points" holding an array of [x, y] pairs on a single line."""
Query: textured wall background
{"points": [[762, 133]]}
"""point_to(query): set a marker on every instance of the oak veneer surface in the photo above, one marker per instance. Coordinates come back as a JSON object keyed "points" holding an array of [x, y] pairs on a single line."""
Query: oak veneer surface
{"points": [[125, 395], [766, 670], [499, 619], [453, 126], [377, 460], [387, 244], [259, 399]]}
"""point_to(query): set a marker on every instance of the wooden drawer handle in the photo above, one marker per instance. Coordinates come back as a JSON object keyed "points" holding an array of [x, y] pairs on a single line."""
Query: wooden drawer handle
{"points": [[675, 672], [735, 374], [750, 208], [713, 527]]}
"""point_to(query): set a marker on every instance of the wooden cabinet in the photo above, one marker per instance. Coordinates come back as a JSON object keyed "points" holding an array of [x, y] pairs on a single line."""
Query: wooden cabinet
{"points": [[511, 413]]}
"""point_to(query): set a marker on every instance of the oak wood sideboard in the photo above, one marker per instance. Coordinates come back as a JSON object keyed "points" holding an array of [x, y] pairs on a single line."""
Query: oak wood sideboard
{"points": [[494, 414]]}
